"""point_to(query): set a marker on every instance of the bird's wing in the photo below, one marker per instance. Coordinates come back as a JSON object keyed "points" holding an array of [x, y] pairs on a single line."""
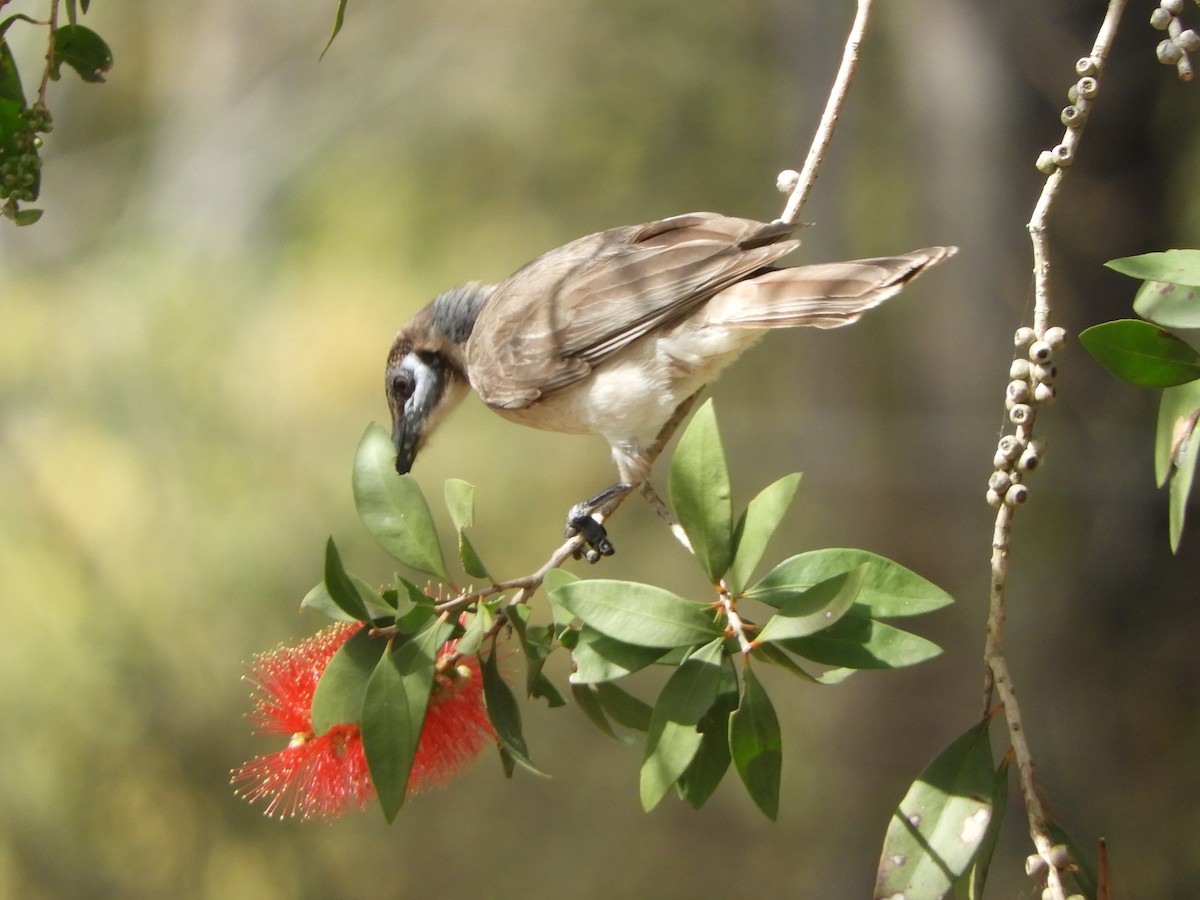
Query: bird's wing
{"points": [[552, 321]]}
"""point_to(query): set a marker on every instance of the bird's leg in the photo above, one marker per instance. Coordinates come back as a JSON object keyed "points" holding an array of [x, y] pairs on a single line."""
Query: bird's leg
{"points": [[580, 520]]}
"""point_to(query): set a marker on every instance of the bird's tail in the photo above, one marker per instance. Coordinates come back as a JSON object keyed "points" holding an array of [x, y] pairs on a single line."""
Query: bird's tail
{"points": [[825, 295]]}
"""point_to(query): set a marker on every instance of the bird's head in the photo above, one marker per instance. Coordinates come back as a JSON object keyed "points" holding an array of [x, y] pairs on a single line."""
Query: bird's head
{"points": [[426, 370]]}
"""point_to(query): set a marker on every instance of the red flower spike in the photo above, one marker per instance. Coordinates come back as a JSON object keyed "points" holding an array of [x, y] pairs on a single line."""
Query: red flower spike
{"points": [[324, 775]]}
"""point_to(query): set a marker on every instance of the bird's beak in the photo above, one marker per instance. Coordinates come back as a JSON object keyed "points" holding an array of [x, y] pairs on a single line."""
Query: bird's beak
{"points": [[417, 395], [406, 436]]}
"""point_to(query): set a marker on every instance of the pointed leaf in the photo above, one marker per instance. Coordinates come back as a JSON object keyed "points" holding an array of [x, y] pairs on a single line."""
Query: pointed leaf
{"points": [[389, 735], [505, 715], [941, 822], [672, 741], [83, 50], [1178, 413], [888, 589], [338, 699], [858, 642], [1181, 486], [817, 608], [624, 708], [460, 502], [700, 492], [756, 745], [341, 589], [756, 527], [585, 698], [1141, 353], [971, 885], [393, 507], [599, 658], [638, 614], [1176, 266], [337, 26], [319, 600], [711, 762], [1168, 304]]}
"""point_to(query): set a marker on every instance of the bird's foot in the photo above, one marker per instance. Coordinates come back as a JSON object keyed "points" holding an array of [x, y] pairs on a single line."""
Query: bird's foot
{"points": [[580, 522]]}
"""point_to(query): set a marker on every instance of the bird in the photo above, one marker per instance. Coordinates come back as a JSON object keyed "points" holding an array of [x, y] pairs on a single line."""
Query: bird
{"points": [[610, 333]]}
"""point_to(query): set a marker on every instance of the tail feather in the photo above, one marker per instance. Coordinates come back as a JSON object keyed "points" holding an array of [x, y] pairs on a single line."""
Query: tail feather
{"points": [[825, 295]]}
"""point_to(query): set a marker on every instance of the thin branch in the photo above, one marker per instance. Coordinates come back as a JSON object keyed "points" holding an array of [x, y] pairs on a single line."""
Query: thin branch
{"points": [[50, 47], [1025, 393], [829, 118]]}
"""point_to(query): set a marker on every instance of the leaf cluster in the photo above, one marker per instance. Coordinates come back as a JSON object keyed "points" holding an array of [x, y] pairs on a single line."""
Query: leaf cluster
{"points": [[1149, 352], [73, 45], [817, 615]]}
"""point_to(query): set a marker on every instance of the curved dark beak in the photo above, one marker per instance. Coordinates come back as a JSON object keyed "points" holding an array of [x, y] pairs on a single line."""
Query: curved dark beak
{"points": [[406, 438]]}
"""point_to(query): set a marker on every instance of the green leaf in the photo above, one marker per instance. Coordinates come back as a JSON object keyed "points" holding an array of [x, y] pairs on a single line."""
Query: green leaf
{"points": [[1141, 353], [460, 502], [389, 734], [1084, 872], [942, 821], [1177, 416], [586, 700], [1169, 305], [756, 745], [858, 642], [393, 507], [1176, 446], [971, 885], [1175, 266], [337, 26], [638, 614], [817, 608], [599, 658], [673, 740], [338, 699], [83, 50], [624, 708], [888, 589], [699, 487], [756, 527], [1180, 487], [319, 600], [24, 217], [711, 762], [341, 590], [771, 654], [505, 715], [414, 608]]}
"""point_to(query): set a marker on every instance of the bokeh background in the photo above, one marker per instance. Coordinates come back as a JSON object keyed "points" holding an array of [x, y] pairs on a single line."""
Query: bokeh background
{"points": [[192, 341]]}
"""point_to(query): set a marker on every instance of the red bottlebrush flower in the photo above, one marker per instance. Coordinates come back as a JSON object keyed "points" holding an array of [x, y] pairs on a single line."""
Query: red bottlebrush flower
{"points": [[324, 775]]}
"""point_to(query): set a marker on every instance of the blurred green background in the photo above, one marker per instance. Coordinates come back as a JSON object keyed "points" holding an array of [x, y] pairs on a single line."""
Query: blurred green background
{"points": [[192, 341]]}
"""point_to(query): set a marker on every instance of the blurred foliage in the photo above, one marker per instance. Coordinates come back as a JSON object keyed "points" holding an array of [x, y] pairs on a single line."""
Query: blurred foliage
{"points": [[193, 340]]}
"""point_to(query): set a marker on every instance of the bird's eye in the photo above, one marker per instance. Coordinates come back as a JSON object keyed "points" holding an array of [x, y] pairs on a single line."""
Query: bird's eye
{"points": [[400, 385]]}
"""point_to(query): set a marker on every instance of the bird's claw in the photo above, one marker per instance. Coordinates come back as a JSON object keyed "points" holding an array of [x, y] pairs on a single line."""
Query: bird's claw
{"points": [[595, 538]]}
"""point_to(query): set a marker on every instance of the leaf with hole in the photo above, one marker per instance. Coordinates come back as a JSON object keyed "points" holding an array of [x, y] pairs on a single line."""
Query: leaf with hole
{"points": [[941, 823]]}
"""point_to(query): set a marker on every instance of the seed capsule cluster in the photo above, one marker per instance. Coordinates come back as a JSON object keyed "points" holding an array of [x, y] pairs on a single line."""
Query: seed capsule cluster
{"points": [[1179, 42], [1032, 383], [20, 165], [1079, 96]]}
